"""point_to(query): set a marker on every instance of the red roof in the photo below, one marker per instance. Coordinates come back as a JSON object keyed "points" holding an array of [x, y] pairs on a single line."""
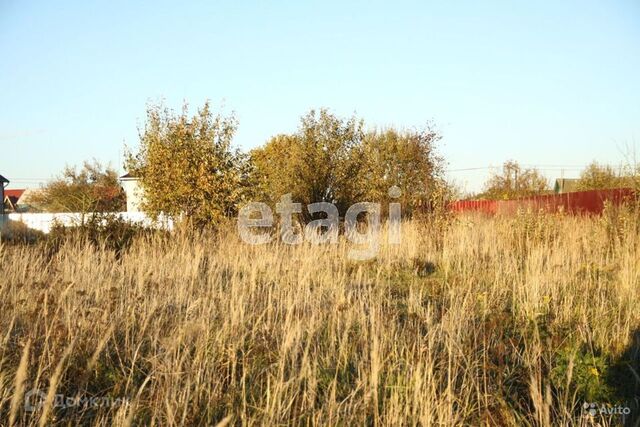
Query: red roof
{"points": [[13, 193]]}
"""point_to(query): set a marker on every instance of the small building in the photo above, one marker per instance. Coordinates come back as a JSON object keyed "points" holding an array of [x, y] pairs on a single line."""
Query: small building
{"points": [[28, 201], [565, 185], [11, 199], [133, 192]]}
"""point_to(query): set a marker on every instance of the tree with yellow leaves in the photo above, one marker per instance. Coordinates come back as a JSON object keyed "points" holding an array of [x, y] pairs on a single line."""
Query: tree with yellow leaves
{"points": [[187, 166], [330, 159], [321, 162], [514, 182]]}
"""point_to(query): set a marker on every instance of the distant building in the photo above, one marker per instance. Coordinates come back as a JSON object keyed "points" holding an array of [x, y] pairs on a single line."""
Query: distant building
{"points": [[26, 202], [565, 185], [133, 191], [19, 200], [11, 198]]}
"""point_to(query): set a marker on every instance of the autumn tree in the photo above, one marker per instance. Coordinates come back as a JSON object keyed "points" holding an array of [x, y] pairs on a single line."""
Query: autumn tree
{"points": [[600, 177], [275, 168], [92, 188], [187, 166], [334, 160], [514, 182], [406, 159], [321, 162]]}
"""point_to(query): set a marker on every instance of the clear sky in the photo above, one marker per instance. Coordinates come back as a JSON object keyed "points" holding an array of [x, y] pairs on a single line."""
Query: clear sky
{"points": [[544, 83]]}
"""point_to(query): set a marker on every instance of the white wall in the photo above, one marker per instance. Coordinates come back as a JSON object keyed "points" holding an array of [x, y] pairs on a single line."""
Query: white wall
{"points": [[44, 221], [133, 192]]}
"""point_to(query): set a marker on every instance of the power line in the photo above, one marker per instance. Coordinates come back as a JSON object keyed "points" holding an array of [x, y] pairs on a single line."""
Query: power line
{"points": [[533, 166], [469, 169]]}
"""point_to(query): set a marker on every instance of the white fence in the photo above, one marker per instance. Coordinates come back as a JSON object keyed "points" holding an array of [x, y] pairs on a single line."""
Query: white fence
{"points": [[44, 221]]}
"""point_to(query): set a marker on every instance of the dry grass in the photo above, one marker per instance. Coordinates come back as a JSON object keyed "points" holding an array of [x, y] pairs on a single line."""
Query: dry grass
{"points": [[504, 321]]}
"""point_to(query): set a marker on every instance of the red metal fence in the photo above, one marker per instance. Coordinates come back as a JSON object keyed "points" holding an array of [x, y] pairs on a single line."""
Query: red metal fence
{"points": [[581, 202]]}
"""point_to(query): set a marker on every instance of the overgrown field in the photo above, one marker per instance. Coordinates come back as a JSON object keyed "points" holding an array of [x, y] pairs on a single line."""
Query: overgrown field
{"points": [[470, 321]]}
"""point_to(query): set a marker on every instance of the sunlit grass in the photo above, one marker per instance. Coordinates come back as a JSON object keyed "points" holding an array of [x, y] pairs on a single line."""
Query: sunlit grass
{"points": [[470, 321]]}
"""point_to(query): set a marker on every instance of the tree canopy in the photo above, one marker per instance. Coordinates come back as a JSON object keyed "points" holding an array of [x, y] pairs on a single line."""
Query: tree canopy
{"points": [[514, 182], [319, 163], [187, 166], [601, 177], [335, 160], [92, 188], [405, 159]]}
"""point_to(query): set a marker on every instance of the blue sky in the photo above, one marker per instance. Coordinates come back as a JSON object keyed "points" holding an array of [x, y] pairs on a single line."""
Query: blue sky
{"points": [[544, 83]]}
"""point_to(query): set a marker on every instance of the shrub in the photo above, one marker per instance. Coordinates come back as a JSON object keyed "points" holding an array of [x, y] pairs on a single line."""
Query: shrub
{"points": [[16, 233], [106, 231]]}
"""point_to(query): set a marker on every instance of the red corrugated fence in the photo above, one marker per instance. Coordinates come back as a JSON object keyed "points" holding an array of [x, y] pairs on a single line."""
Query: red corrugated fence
{"points": [[581, 202]]}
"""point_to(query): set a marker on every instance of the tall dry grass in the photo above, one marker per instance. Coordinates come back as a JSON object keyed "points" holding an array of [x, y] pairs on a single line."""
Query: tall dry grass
{"points": [[473, 321]]}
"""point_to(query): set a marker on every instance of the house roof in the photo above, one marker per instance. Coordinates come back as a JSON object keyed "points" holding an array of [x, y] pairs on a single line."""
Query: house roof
{"points": [[13, 193], [11, 198], [128, 175], [3, 180], [21, 200], [27, 195]]}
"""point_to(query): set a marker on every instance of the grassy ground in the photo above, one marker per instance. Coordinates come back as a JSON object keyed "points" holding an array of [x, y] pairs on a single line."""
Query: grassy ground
{"points": [[470, 321]]}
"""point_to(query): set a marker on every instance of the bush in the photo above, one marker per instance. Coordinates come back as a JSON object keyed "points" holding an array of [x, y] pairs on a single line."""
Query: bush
{"points": [[106, 231], [17, 233]]}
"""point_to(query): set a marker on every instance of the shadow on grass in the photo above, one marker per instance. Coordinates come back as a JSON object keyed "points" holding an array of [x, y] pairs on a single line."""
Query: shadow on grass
{"points": [[624, 380]]}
